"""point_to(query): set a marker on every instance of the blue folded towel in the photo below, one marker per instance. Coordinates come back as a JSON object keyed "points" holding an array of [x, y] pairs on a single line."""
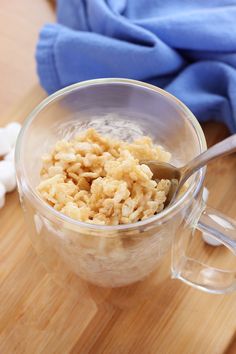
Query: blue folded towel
{"points": [[187, 47]]}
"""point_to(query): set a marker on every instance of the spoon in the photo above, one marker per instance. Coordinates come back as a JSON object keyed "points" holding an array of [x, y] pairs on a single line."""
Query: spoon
{"points": [[179, 175]]}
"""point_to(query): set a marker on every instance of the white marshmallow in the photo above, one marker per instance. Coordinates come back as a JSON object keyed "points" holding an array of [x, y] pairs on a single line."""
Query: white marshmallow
{"points": [[13, 130], [5, 145], [2, 195], [7, 175], [205, 194], [10, 156], [210, 240], [205, 236]]}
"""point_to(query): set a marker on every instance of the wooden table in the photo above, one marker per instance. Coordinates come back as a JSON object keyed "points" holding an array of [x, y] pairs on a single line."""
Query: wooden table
{"points": [[36, 315]]}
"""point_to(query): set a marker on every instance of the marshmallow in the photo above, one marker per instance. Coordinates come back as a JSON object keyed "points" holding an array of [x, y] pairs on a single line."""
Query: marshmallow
{"points": [[2, 195], [7, 175], [5, 145], [12, 132], [210, 240], [10, 156], [205, 194], [205, 236]]}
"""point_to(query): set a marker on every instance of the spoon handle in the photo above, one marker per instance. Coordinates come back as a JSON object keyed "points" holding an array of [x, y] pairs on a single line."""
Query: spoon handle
{"points": [[225, 147]]}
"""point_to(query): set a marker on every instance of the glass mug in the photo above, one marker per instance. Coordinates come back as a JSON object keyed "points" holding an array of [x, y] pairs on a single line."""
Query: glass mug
{"points": [[126, 263]]}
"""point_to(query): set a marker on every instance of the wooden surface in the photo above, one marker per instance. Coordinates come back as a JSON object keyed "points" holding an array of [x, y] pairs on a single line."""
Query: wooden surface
{"points": [[38, 316]]}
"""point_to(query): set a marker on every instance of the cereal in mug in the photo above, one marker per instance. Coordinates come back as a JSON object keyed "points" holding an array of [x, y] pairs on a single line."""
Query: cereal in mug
{"points": [[100, 180]]}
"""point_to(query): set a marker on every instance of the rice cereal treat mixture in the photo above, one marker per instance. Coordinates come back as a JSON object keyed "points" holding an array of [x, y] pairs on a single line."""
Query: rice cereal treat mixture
{"points": [[99, 180]]}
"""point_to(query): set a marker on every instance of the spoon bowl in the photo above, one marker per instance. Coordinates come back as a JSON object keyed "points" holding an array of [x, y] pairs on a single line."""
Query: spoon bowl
{"points": [[179, 175]]}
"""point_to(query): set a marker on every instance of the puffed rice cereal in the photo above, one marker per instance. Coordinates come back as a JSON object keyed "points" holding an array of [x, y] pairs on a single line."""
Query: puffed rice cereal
{"points": [[99, 180]]}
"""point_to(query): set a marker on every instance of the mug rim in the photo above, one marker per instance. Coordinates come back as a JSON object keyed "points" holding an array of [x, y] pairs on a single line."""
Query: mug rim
{"points": [[161, 217]]}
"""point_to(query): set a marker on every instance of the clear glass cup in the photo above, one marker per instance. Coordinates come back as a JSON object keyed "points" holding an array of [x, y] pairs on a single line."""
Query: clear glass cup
{"points": [[124, 264]]}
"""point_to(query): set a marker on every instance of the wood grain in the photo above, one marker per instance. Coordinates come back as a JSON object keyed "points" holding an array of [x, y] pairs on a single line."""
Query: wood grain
{"points": [[38, 316], [19, 29]]}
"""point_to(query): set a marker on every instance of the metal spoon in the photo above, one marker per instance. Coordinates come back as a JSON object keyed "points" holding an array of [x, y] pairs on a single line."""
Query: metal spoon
{"points": [[179, 175]]}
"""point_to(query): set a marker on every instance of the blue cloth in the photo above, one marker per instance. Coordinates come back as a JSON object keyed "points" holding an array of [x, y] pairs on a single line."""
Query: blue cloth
{"points": [[187, 47]]}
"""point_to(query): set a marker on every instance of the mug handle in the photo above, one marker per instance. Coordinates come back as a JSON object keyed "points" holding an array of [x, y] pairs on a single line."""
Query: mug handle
{"points": [[198, 274]]}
